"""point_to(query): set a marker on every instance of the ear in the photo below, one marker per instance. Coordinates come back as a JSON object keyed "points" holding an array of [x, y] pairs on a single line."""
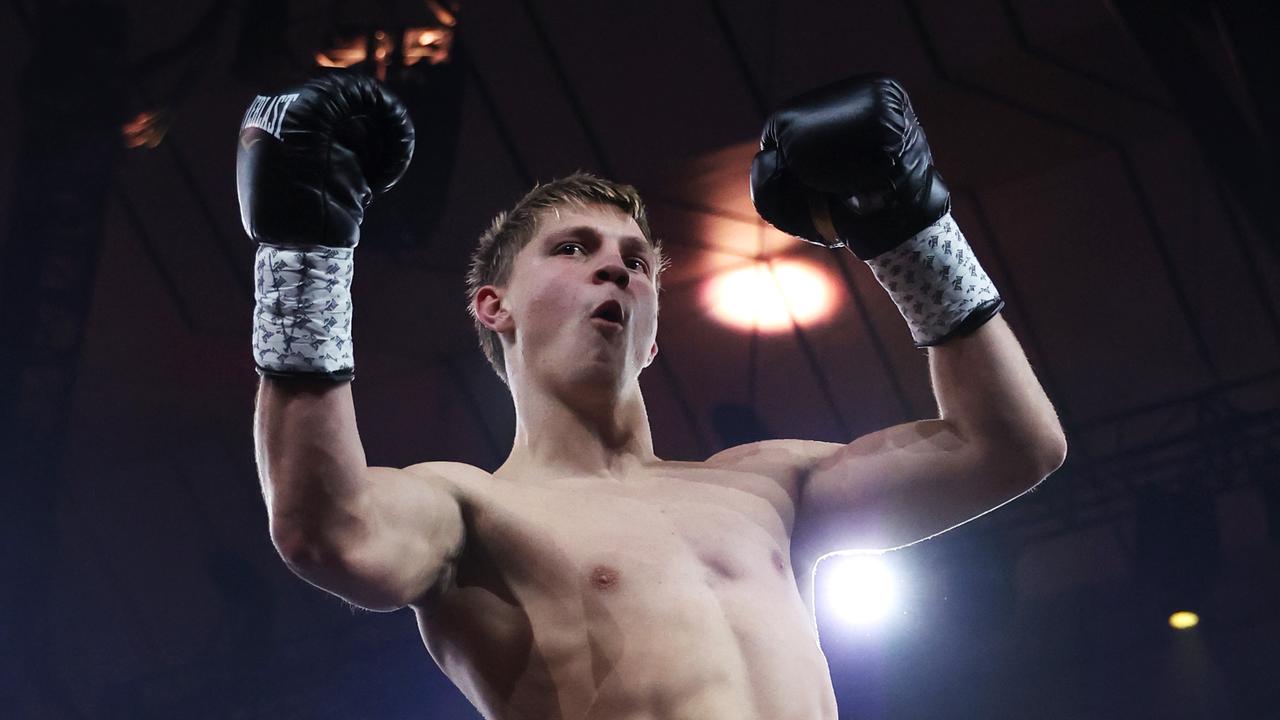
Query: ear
{"points": [[490, 311], [653, 353]]}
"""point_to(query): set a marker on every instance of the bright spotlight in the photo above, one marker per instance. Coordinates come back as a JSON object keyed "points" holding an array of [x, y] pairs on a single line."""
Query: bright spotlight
{"points": [[1183, 620], [769, 295], [861, 589]]}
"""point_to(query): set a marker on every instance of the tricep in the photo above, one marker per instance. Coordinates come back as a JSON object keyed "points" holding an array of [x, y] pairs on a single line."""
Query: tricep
{"points": [[394, 547]]}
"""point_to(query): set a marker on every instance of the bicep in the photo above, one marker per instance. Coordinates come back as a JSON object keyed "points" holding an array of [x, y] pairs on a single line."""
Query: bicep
{"points": [[898, 486], [399, 547]]}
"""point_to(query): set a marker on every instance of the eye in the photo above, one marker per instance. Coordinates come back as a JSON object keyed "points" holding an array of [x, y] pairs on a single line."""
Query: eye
{"points": [[560, 248], [642, 266]]}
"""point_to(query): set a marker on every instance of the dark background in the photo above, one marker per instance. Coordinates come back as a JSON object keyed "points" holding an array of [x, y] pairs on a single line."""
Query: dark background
{"points": [[1112, 165]]}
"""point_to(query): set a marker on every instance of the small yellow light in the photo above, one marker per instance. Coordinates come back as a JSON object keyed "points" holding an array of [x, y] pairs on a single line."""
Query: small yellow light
{"points": [[1183, 620]]}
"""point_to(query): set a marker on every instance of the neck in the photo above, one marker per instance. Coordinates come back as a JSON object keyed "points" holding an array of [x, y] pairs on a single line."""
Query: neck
{"points": [[605, 436]]}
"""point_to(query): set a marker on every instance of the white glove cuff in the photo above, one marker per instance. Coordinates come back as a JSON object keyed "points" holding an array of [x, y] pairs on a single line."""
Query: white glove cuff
{"points": [[935, 280], [302, 315]]}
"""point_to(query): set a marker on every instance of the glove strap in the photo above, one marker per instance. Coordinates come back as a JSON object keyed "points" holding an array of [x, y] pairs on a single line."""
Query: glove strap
{"points": [[937, 284], [302, 314]]}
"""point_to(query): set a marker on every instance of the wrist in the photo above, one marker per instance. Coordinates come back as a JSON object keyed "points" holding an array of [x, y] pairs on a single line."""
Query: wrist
{"points": [[302, 312], [937, 283]]}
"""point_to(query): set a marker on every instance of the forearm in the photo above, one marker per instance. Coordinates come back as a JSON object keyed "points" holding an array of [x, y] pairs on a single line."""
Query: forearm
{"points": [[987, 391], [310, 460]]}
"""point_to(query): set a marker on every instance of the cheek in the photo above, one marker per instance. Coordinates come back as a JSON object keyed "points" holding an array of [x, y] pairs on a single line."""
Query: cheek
{"points": [[649, 325], [549, 306]]}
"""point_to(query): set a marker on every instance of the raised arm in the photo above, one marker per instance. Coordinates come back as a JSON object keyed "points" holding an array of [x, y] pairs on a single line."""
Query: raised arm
{"points": [[847, 165], [309, 162], [996, 438], [381, 538]]}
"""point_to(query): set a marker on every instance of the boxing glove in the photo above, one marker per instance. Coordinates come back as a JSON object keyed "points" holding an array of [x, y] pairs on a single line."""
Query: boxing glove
{"points": [[848, 165], [309, 162]]}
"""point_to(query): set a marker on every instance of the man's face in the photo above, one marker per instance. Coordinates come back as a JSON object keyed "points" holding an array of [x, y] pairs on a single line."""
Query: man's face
{"points": [[581, 305]]}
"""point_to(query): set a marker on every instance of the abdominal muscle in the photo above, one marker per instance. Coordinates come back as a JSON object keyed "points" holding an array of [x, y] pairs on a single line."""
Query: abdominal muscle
{"points": [[633, 620], [677, 660], [684, 657]]}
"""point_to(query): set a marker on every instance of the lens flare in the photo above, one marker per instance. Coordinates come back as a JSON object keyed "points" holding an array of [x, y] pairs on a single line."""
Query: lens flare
{"points": [[860, 589]]}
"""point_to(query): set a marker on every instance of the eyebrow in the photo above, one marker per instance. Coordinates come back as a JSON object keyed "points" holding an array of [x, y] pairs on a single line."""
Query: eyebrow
{"points": [[629, 242]]}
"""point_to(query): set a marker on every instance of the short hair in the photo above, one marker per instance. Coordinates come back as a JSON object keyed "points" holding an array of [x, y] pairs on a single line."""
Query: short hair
{"points": [[494, 256]]}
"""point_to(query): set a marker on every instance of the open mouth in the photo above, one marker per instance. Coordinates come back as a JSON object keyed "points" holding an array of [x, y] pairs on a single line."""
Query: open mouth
{"points": [[609, 310]]}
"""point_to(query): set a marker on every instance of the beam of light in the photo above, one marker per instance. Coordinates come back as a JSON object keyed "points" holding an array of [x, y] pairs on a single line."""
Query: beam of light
{"points": [[860, 589], [1183, 620], [769, 296]]}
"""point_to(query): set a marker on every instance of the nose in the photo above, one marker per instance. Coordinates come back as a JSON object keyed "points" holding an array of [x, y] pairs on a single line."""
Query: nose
{"points": [[615, 273]]}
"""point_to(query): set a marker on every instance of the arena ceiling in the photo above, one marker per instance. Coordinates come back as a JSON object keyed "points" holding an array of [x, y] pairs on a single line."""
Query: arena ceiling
{"points": [[1137, 284]]}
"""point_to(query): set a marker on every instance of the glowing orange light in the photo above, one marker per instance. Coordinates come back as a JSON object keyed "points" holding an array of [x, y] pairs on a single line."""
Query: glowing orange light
{"points": [[770, 296], [146, 129], [443, 15], [344, 53], [430, 44]]}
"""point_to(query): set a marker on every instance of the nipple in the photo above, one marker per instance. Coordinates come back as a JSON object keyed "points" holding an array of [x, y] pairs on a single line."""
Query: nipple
{"points": [[604, 577]]}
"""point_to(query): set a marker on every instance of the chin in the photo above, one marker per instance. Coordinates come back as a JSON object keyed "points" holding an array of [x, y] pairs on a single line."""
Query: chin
{"points": [[598, 376]]}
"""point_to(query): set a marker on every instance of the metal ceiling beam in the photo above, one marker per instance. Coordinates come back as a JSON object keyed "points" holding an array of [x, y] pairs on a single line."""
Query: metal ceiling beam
{"points": [[1236, 137], [762, 107], [499, 124], [1127, 166], [1251, 261], [1217, 435], [567, 89], [1023, 40], [1237, 236], [739, 58]]}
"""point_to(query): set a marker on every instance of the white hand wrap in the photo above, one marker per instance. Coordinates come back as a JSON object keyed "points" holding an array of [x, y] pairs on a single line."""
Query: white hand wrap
{"points": [[935, 281], [302, 318]]}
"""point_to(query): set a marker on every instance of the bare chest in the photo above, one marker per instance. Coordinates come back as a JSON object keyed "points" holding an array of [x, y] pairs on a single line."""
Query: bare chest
{"points": [[632, 538], [672, 571]]}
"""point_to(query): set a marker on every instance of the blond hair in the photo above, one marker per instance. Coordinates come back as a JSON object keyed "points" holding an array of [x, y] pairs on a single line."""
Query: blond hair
{"points": [[494, 256]]}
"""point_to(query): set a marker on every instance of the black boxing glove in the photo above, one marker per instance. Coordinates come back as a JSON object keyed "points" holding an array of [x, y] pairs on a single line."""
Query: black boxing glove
{"points": [[848, 165], [310, 160]]}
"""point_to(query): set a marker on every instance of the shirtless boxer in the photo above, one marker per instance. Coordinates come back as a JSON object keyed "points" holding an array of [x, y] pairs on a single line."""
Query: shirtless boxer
{"points": [[587, 577]]}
